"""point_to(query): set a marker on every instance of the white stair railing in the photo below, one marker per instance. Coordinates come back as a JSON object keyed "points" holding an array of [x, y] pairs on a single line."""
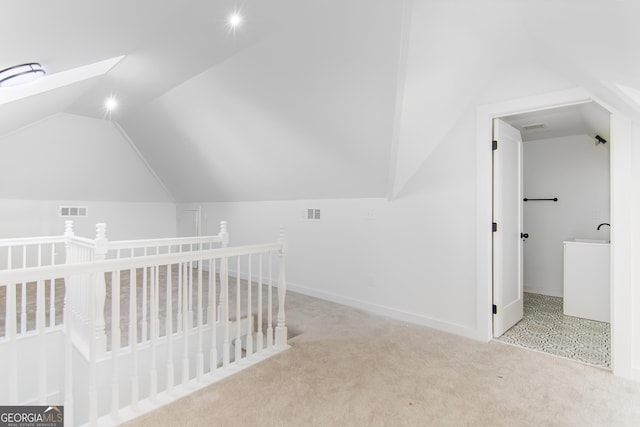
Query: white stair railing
{"points": [[113, 384]]}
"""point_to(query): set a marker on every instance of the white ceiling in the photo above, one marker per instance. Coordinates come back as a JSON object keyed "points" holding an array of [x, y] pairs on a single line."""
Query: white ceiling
{"points": [[582, 119], [302, 101]]}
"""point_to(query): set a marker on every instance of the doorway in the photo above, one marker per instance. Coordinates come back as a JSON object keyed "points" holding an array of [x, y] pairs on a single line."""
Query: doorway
{"points": [[622, 130], [565, 183], [188, 222]]}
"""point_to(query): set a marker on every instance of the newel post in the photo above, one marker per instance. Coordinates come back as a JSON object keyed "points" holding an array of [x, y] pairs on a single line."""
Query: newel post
{"points": [[68, 235], [281, 328], [101, 247], [224, 235]]}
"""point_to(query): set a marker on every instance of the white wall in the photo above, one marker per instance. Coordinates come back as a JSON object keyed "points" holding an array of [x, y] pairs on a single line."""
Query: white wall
{"points": [[125, 220], [70, 157], [576, 171], [446, 67], [412, 258]]}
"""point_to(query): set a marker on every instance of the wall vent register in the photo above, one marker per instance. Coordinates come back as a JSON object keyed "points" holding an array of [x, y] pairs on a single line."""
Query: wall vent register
{"points": [[74, 211], [313, 214]]}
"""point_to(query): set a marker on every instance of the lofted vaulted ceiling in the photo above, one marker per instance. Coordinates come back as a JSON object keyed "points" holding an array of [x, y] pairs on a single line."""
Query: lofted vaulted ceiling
{"points": [[311, 98]]}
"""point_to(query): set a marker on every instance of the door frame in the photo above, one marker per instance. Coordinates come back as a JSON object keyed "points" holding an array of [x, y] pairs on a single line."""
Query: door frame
{"points": [[621, 216]]}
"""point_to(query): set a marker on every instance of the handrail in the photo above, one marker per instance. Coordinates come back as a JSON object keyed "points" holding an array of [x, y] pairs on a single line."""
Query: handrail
{"points": [[213, 330], [63, 270], [83, 241], [132, 244], [11, 241]]}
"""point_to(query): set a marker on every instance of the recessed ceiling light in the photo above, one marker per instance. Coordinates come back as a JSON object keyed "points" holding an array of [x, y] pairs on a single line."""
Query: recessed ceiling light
{"points": [[21, 74], [234, 20], [111, 103]]}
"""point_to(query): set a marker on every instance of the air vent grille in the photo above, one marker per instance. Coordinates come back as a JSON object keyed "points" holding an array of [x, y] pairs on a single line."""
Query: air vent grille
{"points": [[533, 126], [313, 214], [74, 211]]}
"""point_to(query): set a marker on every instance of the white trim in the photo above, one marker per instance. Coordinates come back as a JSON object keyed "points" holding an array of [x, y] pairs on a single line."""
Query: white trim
{"points": [[403, 58], [484, 135], [621, 213], [369, 307], [381, 310]]}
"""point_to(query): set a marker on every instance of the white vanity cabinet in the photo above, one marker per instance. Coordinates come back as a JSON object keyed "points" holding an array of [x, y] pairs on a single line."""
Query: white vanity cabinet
{"points": [[586, 279]]}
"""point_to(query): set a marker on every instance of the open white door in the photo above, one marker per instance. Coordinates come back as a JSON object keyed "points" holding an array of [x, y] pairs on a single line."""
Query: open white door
{"points": [[507, 218]]}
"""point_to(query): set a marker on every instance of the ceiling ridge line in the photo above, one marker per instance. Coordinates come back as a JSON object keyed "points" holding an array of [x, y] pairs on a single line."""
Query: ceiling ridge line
{"points": [[153, 173]]}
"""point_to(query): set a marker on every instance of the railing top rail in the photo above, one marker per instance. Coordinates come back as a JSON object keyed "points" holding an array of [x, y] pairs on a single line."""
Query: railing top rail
{"points": [[64, 270], [131, 244], [82, 241], [27, 241]]}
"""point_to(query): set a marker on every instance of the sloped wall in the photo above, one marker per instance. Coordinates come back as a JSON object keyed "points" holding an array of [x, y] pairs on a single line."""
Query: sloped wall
{"points": [[70, 157], [308, 112], [412, 258], [74, 160]]}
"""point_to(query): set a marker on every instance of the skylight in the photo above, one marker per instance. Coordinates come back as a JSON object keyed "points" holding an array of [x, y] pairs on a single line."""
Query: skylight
{"points": [[57, 80]]}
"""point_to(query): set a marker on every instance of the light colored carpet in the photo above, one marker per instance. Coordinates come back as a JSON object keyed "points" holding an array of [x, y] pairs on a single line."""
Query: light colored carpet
{"points": [[350, 368]]}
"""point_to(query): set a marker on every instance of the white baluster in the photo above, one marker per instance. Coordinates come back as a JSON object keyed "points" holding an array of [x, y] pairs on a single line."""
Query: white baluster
{"points": [[93, 387], [200, 355], [101, 247], [144, 301], [249, 350], [224, 296], [281, 328], [133, 335], [213, 362], [169, 328], [238, 341], [270, 305], [259, 333], [40, 325], [190, 296], [185, 329], [209, 316], [68, 358], [179, 318], [153, 373], [52, 291], [23, 307], [224, 241], [11, 333], [115, 344], [156, 303]]}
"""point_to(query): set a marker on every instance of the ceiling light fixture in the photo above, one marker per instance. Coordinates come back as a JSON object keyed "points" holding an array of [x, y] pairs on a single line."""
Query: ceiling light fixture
{"points": [[21, 74], [111, 104], [234, 20]]}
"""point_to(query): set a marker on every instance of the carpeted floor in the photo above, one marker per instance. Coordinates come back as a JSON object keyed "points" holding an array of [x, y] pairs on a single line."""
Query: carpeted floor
{"points": [[350, 368]]}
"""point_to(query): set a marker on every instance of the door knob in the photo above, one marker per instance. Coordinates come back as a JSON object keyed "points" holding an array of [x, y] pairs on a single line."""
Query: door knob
{"points": [[524, 235]]}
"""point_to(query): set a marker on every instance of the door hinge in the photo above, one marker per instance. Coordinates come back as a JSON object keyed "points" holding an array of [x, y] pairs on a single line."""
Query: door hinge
{"points": [[494, 226], [494, 145], [494, 308]]}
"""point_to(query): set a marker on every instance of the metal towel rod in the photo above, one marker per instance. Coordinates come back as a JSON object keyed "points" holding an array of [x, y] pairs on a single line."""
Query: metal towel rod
{"points": [[555, 199]]}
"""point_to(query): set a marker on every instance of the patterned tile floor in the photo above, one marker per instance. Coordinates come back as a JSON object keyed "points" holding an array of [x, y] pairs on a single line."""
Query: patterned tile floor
{"points": [[545, 328]]}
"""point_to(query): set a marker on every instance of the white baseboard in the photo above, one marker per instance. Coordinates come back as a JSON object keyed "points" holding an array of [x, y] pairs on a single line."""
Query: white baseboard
{"points": [[378, 309], [553, 291], [390, 312]]}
